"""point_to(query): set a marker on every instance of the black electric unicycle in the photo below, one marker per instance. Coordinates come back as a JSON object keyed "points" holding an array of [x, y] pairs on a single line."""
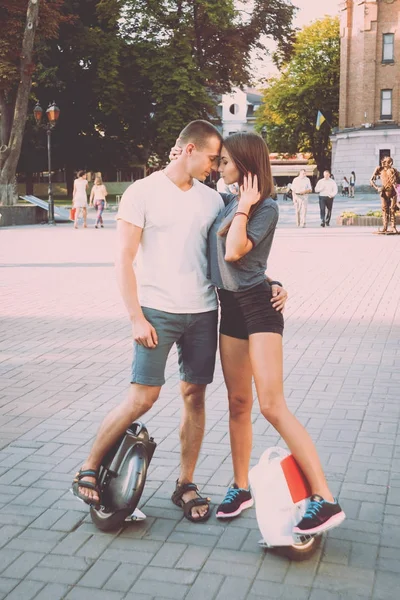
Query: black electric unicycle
{"points": [[122, 476]]}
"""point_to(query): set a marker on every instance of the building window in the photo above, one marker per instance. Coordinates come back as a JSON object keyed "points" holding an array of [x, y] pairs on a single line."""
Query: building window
{"points": [[382, 154], [386, 104], [388, 48], [234, 109]]}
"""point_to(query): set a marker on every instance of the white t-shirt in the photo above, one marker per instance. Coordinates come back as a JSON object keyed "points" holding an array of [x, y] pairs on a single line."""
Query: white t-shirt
{"points": [[326, 187], [171, 264], [300, 185]]}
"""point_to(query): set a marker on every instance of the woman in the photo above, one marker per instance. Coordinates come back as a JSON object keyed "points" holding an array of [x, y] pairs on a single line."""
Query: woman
{"points": [[345, 186], [251, 330], [98, 199], [79, 197]]}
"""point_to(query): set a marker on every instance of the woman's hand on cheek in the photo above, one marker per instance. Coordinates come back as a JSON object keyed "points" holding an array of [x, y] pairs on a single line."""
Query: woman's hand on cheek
{"points": [[249, 194]]}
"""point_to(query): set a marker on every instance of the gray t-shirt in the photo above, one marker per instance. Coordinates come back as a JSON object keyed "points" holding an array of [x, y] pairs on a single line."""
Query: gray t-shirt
{"points": [[249, 270]]}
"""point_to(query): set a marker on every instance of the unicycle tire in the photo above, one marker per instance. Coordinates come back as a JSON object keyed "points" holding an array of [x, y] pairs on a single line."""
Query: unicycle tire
{"points": [[303, 550], [108, 521]]}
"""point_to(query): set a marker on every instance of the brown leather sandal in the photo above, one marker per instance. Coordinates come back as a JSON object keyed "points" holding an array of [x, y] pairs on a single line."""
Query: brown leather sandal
{"points": [[187, 506]]}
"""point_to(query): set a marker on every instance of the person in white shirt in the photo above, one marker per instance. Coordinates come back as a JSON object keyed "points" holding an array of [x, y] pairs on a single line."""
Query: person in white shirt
{"points": [[327, 190], [301, 187], [164, 221]]}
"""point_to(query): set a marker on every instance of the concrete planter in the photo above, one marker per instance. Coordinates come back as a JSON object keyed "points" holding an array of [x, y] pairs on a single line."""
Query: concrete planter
{"points": [[21, 214], [363, 221]]}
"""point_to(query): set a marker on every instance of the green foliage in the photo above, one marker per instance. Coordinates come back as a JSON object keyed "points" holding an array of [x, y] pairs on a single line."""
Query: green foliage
{"points": [[370, 213], [12, 19], [129, 74], [309, 82]]}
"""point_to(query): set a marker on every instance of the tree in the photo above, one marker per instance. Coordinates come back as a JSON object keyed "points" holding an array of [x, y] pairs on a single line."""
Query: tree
{"points": [[128, 74], [16, 68], [309, 82], [192, 50]]}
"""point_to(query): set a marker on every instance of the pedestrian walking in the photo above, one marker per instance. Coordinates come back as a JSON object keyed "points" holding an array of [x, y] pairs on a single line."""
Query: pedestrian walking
{"points": [[79, 197], [301, 188], [345, 187], [327, 190], [98, 197], [251, 330], [352, 184]]}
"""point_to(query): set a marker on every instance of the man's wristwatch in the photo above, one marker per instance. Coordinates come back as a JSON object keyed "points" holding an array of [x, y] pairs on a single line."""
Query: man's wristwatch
{"points": [[276, 283]]}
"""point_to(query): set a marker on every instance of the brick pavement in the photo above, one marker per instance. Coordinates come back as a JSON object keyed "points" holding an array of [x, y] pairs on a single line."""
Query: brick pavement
{"points": [[65, 357]]}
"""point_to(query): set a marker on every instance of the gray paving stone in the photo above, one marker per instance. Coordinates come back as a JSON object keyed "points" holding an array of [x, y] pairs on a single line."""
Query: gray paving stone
{"points": [[340, 578], [55, 561], [234, 587], [123, 578], [52, 591], [386, 586], [22, 565], [6, 585], [98, 574], [168, 555], [49, 575], [193, 558], [159, 589], [232, 538], [273, 568], [7, 557], [25, 590], [279, 591], [83, 593], [341, 378]]}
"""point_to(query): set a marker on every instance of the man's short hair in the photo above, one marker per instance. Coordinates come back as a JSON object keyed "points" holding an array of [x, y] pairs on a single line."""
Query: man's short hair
{"points": [[302, 171], [198, 133], [327, 171]]}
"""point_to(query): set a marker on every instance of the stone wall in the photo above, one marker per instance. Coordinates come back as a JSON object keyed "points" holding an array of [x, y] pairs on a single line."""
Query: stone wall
{"points": [[21, 214], [359, 151]]}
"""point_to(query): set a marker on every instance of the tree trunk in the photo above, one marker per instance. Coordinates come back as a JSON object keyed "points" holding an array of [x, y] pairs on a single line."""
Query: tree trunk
{"points": [[11, 149], [69, 178], [29, 183]]}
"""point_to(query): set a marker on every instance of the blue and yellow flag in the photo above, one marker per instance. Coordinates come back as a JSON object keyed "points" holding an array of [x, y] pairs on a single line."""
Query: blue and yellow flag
{"points": [[320, 120]]}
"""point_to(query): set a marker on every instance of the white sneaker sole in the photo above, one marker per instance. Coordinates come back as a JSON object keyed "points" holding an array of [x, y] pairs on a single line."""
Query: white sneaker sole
{"points": [[242, 507], [334, 521]]}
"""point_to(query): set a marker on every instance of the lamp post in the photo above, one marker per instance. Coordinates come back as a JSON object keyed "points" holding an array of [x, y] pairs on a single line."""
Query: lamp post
{"points": [[53, 112]]}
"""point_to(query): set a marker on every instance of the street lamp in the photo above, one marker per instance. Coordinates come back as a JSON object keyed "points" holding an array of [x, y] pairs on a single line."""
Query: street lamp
{"points": [[53, 112]]}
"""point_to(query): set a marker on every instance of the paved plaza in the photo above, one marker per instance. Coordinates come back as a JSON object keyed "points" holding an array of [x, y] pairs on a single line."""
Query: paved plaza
{"points": [[65, 345]]}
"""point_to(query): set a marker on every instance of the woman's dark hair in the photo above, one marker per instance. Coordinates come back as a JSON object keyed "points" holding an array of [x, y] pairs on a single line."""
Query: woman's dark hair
{"points": [[250, 154], [80, 173]]}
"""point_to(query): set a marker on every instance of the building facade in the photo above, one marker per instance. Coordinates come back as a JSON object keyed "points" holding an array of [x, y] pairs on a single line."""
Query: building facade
{"points": [[238, 110], [369, 109]]}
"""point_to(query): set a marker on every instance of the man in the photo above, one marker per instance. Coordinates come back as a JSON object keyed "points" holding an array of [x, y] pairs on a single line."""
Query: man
{"points": [[167, 216], [389, 177], [327, 190], [301, 187]]}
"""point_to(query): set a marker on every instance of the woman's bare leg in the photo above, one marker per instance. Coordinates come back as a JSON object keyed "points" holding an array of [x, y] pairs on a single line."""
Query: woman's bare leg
{"points": [[76, 217], [237, 373], [267, 365]]}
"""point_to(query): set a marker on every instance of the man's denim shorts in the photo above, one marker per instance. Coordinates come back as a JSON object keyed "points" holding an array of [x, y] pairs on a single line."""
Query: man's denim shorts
{"points": [[195, 336]]}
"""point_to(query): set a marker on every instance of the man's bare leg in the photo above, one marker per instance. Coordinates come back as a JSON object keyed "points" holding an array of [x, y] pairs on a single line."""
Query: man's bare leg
{"points": [[139, 400], [191, 435]]}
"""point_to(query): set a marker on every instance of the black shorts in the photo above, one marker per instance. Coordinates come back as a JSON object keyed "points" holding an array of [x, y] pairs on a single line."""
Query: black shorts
{"points": [[251, 311]]}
